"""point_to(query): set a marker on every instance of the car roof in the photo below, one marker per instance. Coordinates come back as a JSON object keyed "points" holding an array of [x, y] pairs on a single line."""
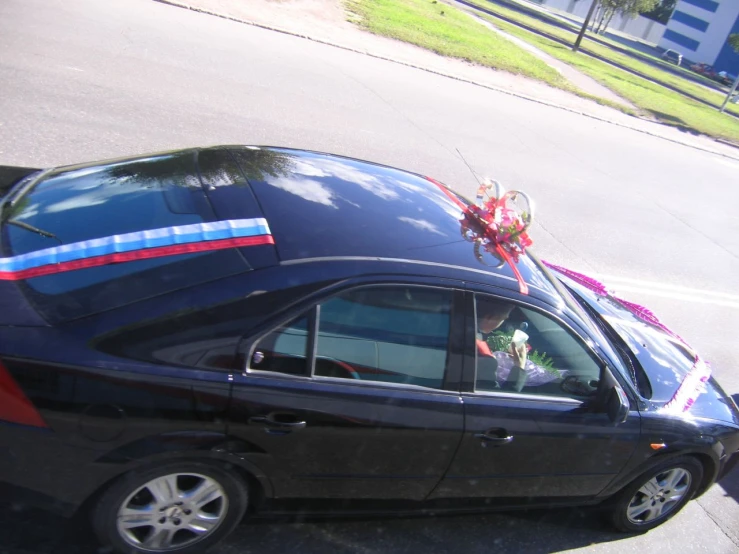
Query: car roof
{"points": [[312, 207], [321, 206]]}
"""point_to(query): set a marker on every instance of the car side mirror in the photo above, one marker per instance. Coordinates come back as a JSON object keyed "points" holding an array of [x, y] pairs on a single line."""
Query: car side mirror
{"points": [[617, 404]]}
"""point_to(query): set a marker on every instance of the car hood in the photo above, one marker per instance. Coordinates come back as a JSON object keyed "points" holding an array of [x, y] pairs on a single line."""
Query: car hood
{"points": [[676, 374]]}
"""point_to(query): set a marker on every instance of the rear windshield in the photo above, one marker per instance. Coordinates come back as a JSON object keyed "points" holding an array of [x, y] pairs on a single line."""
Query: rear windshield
{"points": [[103, 201]]}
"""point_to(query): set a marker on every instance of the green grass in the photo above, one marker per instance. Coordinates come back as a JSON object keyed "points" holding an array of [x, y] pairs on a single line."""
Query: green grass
{"points": [[670, 107], [631, 61], [450, 32]]}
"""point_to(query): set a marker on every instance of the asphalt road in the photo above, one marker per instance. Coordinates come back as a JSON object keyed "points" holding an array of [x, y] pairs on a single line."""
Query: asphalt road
{"points": [[83, 80]]}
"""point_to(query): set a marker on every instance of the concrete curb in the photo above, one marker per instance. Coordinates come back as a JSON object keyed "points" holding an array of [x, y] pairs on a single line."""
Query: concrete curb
{"points": [[178, 4]]}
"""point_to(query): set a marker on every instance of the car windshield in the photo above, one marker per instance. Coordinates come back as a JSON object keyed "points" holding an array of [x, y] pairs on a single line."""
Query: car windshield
{"points": [[623, 344], [585, 316]]}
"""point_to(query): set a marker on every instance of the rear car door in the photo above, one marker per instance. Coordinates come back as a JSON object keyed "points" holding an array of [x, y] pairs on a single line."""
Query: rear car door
{"points": [[547, 439], [357, 396]]}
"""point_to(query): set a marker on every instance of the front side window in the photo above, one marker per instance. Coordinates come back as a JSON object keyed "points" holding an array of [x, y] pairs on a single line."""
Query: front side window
{"points": [[523, 351], [391, 334]]}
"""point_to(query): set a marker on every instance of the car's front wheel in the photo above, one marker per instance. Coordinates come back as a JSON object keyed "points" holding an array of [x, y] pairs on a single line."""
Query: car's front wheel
{"points": [[177, 508], [657, 495]]}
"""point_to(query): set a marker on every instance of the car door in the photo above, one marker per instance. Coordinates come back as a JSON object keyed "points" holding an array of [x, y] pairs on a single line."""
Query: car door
{"points": [[546, 438], [357, 396]]}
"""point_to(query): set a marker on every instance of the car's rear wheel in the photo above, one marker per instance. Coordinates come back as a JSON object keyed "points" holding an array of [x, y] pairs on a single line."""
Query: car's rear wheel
{"points": [[657, 495], [177, 508]]}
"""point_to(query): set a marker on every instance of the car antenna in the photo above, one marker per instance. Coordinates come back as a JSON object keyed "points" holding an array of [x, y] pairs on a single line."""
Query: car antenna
{"points": [[479, 182]]}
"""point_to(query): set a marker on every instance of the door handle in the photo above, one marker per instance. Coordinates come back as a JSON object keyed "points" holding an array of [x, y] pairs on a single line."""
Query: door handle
{"points": [[500, 439], [279, 422]]}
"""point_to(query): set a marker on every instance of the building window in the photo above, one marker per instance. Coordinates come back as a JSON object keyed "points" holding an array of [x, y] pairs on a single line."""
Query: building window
{"points": [[690, 21], [709, 5], [681, 39]]}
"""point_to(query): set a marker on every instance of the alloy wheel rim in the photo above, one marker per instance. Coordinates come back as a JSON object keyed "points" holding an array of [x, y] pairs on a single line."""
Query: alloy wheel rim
{"points": [[172, 511], [659, 496]]}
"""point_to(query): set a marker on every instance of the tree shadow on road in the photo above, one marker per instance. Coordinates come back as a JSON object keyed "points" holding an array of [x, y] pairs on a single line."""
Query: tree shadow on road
{"points": [[536, 531], [730, 484], [676, 122], [28, 530], [530, 532]]}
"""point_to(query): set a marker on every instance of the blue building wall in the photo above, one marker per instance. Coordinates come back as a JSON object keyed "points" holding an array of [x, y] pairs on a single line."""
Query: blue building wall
{"points": [[727, 59], [699, 30]]}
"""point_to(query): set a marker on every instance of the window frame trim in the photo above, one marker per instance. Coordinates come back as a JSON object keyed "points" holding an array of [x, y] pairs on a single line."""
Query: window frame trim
{"points": [[457, 311], [539, 398], [382, 384]]}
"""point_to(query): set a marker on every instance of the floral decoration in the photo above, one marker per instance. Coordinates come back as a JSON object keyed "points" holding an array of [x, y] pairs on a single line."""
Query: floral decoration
{"points": [[494, 224]]}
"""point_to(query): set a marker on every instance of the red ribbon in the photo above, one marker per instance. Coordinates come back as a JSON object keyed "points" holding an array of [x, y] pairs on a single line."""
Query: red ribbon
{"points": [[522, 286], [135, 255]]}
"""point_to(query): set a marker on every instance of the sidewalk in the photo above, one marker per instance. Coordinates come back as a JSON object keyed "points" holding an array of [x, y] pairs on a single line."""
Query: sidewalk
{"points": [[580, 80], [325, 21]]}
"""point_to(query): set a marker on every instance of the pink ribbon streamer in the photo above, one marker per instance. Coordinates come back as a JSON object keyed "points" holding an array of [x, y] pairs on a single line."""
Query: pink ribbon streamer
{"points": [[692, 385], [645, 314]]}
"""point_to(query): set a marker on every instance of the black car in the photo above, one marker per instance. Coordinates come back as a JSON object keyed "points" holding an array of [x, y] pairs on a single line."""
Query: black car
{"points": [[190, 335]]}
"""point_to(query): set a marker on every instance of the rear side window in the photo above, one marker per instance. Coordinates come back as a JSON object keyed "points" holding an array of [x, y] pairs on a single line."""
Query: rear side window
{"points": [[391, 334], [284, 350], [116, 199]]}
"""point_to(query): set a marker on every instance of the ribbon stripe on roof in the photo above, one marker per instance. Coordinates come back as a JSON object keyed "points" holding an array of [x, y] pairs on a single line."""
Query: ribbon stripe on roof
{"points": [[140, 245]]}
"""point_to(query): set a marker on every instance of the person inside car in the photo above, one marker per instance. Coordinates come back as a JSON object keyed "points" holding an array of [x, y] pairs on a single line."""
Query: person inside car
{"points": [[490, 316], [510, 370]]}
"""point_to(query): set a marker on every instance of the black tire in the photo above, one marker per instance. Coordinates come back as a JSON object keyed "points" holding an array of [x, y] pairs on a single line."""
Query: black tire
{"points": [[227, 509], [624, 507]]}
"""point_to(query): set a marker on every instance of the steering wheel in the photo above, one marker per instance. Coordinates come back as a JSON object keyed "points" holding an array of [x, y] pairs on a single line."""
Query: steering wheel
{"points": [[353, 374], [572, 385], [336, 368]]}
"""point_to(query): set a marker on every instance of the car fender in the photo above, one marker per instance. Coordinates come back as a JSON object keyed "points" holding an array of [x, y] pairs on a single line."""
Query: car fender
{"points": [[198, 445], [708, 457]]}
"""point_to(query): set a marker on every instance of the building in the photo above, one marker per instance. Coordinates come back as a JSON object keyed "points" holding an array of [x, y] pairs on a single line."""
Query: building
{"points": [[699, 30], [646, 30]]}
